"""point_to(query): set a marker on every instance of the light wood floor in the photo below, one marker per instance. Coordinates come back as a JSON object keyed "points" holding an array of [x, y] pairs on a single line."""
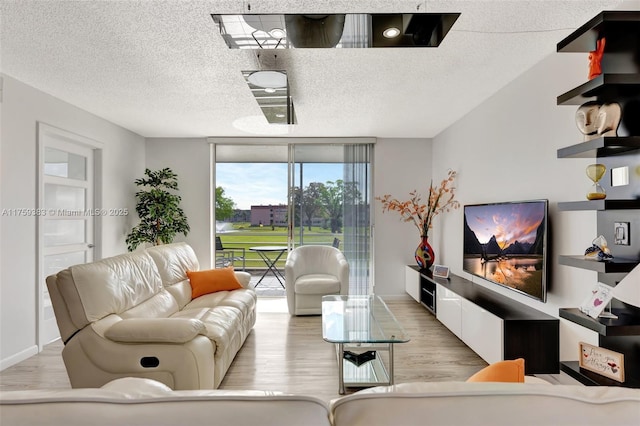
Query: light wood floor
{"points": [[288, 354]]}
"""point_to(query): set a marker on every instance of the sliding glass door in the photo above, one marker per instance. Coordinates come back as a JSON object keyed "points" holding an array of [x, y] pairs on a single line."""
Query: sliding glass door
{"points": [[329, 196], [297, 194]]}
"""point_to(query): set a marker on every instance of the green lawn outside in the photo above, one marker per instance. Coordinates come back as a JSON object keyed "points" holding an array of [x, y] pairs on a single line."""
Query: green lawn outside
{"points": [[247, 236]]}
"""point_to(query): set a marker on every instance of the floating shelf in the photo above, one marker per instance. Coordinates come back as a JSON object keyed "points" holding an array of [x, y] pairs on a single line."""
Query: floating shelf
{"points": [[606, 86], [584, 38], [627, 323], [614, 265], [599, 205], [601, 147], [589, 378]]}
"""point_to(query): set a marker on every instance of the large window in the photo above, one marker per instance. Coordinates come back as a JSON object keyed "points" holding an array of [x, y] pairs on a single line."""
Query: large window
{"points": [[296, 194]]}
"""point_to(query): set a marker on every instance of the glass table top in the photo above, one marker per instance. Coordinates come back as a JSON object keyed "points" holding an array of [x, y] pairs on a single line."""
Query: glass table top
{"points": [[359, 319]]}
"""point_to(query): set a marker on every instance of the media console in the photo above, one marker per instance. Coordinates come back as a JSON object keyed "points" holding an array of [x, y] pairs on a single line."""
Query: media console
{"points": [[497, 327]]}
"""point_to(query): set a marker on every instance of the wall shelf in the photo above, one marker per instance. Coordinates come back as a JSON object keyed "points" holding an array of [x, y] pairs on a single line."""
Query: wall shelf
{"points": [[584, 38], [601, 147], [611, 266], [604, 86], [627, 323], [589, 378], [599, 205], [619, 82]]}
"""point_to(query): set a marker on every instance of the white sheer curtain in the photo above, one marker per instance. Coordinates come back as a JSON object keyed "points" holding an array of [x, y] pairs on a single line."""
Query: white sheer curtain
{"points": [[357, 215], [356, 31]]}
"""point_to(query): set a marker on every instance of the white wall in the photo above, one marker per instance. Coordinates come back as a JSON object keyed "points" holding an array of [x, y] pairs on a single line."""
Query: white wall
{"points": [[506, 150], [190, 160], [401, 165], [123, 157]]}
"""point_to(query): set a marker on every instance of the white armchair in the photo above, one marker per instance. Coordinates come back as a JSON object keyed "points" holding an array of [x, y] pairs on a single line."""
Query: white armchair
{"points": [[312, 272]]}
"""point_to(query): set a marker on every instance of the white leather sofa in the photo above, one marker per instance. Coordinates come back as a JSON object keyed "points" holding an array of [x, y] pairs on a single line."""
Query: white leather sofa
{"points": [[311, 272], [132, 315], [135, 401], [494, 404]]}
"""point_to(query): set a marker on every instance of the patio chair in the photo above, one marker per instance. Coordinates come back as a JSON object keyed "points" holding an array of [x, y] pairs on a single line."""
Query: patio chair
{"points": [[227, 257]]}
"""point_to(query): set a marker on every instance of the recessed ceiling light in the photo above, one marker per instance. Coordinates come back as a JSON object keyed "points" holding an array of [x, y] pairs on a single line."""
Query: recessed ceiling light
{"points": [[277, 33], [280, 115], [391, 32], [270, 90]]}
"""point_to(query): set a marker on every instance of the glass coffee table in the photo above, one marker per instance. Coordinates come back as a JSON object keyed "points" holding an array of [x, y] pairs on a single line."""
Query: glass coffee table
{"points": [[361, 327]]}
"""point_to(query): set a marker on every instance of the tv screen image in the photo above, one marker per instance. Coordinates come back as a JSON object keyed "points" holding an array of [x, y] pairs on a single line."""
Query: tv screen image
{"points": [[506, 243]]}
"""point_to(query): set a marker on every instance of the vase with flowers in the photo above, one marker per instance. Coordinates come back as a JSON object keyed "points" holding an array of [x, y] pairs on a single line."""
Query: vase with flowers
{"points": [[441, 199]]}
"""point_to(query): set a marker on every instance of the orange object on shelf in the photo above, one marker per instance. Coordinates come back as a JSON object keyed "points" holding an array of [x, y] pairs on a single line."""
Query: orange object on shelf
{"points": [[595, 58]]}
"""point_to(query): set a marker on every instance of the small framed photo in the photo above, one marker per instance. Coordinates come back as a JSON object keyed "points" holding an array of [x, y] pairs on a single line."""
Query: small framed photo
{"points": [[602, 361], [600, 296], [440, 271]]}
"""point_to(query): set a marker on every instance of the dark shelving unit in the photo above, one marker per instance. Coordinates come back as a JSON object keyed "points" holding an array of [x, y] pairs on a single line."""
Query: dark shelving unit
{"points": [[627, 323], [584, 38], [614, 265], [599, 205], [601, 147], [589, 378], [607, 86], [427, 292], [619, 82]]}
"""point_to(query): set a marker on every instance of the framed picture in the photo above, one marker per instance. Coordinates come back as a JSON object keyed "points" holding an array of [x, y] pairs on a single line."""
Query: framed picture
{"points": [[598, 299], [602, 361]]}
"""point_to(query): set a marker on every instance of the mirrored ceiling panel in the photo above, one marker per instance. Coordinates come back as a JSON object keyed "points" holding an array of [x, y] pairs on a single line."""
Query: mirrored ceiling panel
{"points": [[350, 30], [271, 90]]}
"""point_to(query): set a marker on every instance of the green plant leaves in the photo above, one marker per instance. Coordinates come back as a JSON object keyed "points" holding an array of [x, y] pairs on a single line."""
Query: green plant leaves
{"points": [[158, 207]]}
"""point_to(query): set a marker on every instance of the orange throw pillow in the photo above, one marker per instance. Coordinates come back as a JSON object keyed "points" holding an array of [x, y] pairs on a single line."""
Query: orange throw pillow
{"points": [[502, 371], [212, 280]]}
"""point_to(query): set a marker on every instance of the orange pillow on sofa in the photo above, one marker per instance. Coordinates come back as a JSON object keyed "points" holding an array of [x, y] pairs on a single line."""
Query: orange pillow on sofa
{"points": [[212, 280], [502, 371]]}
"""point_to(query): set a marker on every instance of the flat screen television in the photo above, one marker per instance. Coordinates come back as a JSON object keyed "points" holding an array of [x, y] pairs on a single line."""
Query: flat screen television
{"points": [[506, 244]]}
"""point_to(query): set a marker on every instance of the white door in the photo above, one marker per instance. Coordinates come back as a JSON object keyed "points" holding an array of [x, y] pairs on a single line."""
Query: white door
{"points": [[66, 215]]}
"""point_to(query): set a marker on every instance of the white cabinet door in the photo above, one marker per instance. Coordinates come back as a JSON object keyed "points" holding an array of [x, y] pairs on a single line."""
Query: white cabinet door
{"points": [[412, 282], [482, 331], [449, 310]]}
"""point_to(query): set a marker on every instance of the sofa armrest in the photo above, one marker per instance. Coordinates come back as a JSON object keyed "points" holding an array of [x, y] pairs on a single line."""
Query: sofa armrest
{"points": [[155, 330], [244, 278]]}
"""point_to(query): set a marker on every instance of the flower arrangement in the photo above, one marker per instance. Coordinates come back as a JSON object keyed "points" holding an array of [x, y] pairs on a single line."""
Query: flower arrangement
{"points": [[441, 199]]}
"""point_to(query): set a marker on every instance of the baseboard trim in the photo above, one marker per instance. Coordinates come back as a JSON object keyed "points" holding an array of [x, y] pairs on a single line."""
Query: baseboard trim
{"points": [[19, 357], [391, 297]]}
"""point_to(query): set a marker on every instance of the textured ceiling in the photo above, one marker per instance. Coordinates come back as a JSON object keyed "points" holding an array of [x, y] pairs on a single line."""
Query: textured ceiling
{"points": [[161, 69]]}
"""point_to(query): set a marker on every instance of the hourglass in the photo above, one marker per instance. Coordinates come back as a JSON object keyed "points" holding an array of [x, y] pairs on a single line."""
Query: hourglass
{"points": [[595, 173]]}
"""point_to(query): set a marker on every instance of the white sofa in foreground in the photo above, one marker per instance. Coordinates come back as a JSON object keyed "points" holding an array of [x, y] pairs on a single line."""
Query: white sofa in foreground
{"points": [[133, 316], [135, 401], [495, 404]]}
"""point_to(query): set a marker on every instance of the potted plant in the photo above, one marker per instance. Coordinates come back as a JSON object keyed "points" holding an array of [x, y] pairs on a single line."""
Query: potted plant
{"points": [[158, 207]]}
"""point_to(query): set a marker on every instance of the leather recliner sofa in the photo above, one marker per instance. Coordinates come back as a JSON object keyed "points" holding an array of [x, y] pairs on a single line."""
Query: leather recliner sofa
{"points": [[132, 316]]}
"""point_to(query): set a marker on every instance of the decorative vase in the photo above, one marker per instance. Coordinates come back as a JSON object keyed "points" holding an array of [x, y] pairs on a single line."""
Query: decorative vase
{"points": [[424, 253]]}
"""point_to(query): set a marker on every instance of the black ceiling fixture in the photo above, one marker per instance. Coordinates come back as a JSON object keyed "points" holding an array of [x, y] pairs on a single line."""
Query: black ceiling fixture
{"points": [[350, 30]]}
